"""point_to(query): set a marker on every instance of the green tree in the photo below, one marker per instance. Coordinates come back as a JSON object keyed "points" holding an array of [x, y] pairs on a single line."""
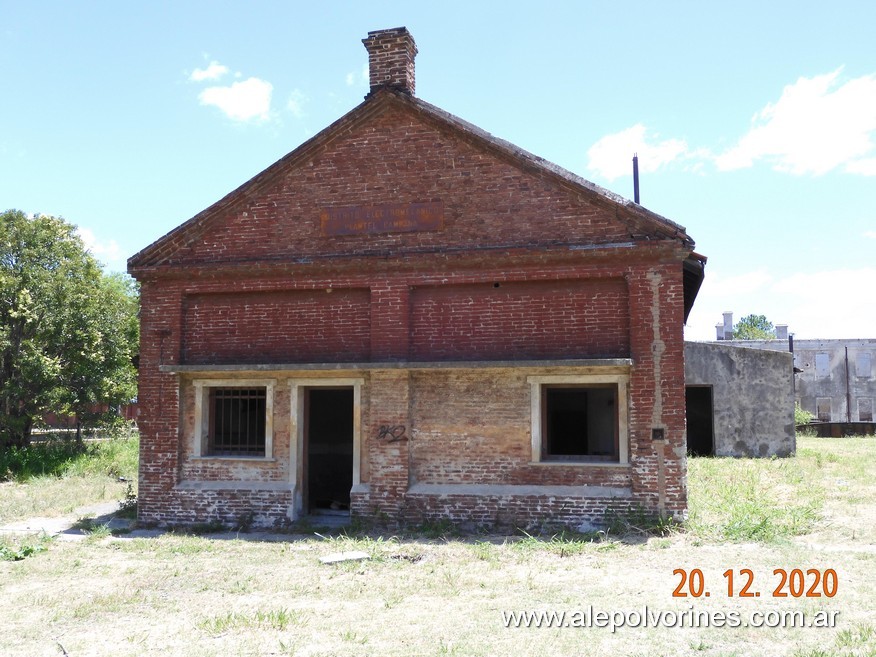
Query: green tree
{"points": [[67, 331], [754, 327]]}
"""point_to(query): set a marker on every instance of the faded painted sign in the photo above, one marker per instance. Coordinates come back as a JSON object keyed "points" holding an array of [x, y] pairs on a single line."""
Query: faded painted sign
{"points": [[384, 218]]}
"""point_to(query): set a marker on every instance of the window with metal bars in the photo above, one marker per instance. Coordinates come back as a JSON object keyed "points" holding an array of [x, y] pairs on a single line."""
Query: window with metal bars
{"points": [[237, 421]]}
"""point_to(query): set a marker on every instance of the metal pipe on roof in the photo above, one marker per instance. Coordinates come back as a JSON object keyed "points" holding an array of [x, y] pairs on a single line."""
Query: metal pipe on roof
{"points": [[848, 390], [636, 178]]}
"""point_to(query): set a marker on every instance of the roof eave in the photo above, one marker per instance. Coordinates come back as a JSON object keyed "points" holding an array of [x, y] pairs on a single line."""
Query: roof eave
{"points": [[374, 103]]}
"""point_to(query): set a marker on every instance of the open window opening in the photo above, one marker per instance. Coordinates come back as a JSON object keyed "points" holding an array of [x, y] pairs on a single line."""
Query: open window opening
{"points": [[865, 409], [580, 423], [700, 420], [822, 409], [580, 418]]}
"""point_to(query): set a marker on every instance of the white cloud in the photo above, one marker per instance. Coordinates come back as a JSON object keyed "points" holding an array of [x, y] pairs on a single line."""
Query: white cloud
{"points": [[816, 126], [836, 303], [296, 102], [864, 166], [107, 251], [241, 101], [611, 157], [717, 286], [214, 71], [871, 234], [361, 78]]}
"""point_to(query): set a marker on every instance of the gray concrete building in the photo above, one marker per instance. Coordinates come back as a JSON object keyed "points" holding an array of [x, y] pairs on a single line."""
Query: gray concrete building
{"points": [[834, 378], [740, 400]]}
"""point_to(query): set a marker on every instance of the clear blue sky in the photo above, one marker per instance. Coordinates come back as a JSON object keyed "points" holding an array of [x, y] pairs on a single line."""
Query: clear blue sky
{"points": [[755, 122]]}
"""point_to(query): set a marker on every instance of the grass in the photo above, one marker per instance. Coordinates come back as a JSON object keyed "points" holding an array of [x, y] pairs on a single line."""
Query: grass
{"points": [[55, 477], [13, 548], [233, 621], [752, 500], [438, 593], [769, 500]]}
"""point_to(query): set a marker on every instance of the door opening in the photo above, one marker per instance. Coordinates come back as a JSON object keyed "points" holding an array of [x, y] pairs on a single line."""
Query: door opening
{"points": [[700, 421], [328, 449]]}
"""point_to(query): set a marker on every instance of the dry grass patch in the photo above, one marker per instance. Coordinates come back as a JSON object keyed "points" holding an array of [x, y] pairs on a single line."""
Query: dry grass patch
{"points": [[196, 595], [187, 595]]}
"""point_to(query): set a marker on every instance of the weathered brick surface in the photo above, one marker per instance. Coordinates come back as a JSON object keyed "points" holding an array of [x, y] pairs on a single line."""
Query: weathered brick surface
{"points": [[248, 284], [473, 426], [400, 158], [551, 319], [530, 512], [391, 56], [278, 327]]}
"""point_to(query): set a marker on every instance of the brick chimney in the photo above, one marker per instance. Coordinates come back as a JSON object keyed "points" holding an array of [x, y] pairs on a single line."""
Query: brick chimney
{"points": [[391, 59]]}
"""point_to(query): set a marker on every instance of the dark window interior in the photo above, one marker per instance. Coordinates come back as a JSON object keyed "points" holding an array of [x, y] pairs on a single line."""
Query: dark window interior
{"points": [[865, 409], [237, 421], [580, 423]]}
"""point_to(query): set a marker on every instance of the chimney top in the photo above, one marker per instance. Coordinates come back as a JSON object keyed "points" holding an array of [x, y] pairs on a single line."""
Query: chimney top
{"points": [[391, 56]]}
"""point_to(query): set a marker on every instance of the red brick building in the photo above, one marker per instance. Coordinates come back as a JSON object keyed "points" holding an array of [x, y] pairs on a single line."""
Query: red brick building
{"points": [[411, 319]]}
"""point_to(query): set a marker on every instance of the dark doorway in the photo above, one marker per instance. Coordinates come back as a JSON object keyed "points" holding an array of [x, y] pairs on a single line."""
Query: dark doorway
{"points": [[329, 448], [700, 421]]}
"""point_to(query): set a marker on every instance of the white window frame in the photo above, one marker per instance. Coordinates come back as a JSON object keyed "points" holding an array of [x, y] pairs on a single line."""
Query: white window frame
{"points": [[202, 416], [622, 381], [297, 388]]}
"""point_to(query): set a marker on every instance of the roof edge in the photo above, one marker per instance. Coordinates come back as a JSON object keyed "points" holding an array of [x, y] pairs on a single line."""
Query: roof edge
{"points": [[373, 104]]}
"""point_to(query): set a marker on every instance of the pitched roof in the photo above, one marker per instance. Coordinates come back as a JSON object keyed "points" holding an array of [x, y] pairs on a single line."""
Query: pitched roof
{"points": [[643, 223]]}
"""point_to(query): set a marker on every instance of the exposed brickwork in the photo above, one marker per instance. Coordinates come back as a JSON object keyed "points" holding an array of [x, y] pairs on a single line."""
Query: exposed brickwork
{"points": [[278, 327], [388, 462], [398, 157], [391, 56], [558, 319], [219, 469], [235, 508], [473, 426], [246, 283], [530, 512]]}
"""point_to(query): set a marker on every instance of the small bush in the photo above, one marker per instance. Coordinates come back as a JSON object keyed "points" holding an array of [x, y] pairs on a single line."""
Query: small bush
{"points": [[115, 458], [128, 506], [17, 551], [801, 416]]}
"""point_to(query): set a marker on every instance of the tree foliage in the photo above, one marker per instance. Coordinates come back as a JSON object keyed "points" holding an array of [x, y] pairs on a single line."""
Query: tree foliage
{"points": [[68, 332], [754, 327]]}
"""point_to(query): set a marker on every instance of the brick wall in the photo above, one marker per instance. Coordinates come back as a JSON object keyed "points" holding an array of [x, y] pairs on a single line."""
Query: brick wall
{"points": [[473, 426], [400, 158], [249, 287], [497, 321], [278, 327], [462, 426]]}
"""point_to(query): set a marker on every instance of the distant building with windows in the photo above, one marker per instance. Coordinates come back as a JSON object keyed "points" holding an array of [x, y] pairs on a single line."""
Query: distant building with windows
{"points": [[834, 379]]}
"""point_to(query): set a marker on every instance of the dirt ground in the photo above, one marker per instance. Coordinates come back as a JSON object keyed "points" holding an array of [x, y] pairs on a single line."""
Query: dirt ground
{"points": [[159, 593]]}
